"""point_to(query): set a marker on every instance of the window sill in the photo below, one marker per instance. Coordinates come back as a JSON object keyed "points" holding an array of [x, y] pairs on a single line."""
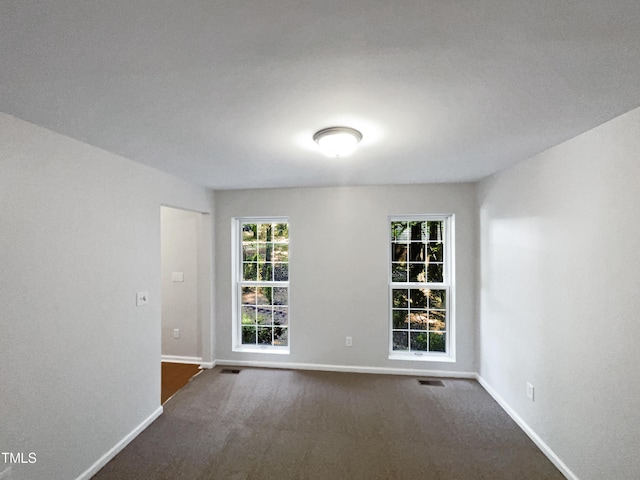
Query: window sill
{"points": [[263, 349], [422, 357]]}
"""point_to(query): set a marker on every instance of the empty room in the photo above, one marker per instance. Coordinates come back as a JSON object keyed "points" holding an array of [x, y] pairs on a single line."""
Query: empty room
{"points": [[385, 240]]}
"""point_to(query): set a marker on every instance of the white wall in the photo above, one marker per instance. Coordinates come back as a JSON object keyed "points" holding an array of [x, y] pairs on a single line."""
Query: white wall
{"points": [[560, 296], [79, 235], [179, 246], [338, 272]]}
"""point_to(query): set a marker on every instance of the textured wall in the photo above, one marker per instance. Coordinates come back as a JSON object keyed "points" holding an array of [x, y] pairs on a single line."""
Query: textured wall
{"points": [[79, 236], [560, 296], [339, 244], [179, 246]]}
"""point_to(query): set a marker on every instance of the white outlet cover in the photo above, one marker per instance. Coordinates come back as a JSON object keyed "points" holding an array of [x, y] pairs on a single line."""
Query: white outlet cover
{"points": [[530, 391], [177, 276]]}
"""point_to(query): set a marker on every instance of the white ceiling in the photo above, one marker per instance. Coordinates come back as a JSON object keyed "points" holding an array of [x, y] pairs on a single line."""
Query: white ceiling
{"points": [[229, 93]]}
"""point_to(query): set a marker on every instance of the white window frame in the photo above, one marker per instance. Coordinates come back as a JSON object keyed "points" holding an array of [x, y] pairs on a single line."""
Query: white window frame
{"points": [[448, 284], [238, 283]]}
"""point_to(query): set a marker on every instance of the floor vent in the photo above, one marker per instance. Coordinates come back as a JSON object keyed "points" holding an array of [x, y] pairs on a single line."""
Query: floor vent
{"points": [[431, 383], [229, 370]]}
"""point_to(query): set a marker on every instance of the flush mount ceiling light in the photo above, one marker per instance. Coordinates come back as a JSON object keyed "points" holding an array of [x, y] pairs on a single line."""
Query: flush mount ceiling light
{"points": [[337, 141]]}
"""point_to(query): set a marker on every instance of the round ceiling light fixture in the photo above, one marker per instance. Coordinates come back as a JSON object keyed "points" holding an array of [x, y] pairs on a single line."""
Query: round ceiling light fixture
{"points": [[337, 141]]}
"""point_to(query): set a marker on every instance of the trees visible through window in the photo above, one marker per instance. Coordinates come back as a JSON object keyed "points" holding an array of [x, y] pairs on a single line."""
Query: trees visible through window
{"points": [[262, 285], [420, 285]]}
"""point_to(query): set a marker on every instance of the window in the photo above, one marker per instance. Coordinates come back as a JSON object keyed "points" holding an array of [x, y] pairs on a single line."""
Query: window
{"points": [[421, 287], [261, 278]]}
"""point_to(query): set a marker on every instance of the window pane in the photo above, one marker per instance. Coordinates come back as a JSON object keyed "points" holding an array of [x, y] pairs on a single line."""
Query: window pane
{"points": [[280, 232], [416, 230], [249, 252], [264, 335], [281, 272], [419, 298], [399, 252], [434, 273], [248, 335], [248, 315], [400, 340], [280, 295], [248, 295], [281, 336], [264, 295], [400, 298], [437, 299], [249, 271], [437, 342], [399, 231], [417, 272], [400, 319], [419, 320], [435, 252], [264, 316], [437, 320], [420, 341], [398, 272], [265, 272], [265, 252], [249, 232], [280, 316], [416, 252], [264, 232], [435, 230], [281, 252]]}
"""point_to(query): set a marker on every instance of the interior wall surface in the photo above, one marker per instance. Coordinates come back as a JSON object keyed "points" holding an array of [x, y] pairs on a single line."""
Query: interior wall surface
{"points": [[180, 310], [339, 270], [79, 236], [560, 296]]}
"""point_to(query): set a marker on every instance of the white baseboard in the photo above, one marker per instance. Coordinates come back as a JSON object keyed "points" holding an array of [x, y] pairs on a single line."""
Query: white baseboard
{"points": [[180, 359], [207, 364], [102, 461], [347, 368], [528, 430]]}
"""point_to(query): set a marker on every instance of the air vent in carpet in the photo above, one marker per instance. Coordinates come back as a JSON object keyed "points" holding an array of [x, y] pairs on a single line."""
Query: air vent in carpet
{"points": [[431, 383], [229, 370]]}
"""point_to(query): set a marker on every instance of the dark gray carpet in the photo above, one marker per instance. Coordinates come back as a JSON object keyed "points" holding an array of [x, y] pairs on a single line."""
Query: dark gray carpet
{"points": [[284, 424]]}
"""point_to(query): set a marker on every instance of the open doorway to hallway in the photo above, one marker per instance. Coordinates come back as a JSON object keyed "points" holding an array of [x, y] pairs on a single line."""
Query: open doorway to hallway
{"points": [[185, 296]]}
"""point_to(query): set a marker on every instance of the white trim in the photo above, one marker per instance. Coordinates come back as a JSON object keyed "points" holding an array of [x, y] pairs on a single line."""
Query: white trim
{"points": [[421, 357], [448, 283], [347, 368], [237, 283], [550, 454], [263, 349], [181, 359], [208, 364], [102, 461]]}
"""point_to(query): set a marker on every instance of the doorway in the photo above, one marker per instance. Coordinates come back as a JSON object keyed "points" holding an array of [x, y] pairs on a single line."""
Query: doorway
{"points": [[186, 303]]}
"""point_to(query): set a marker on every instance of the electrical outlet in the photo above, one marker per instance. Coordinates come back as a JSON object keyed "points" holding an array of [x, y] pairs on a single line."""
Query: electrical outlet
{"points": [[530, 391], [349, 342], [176, 333], [177, 276]]}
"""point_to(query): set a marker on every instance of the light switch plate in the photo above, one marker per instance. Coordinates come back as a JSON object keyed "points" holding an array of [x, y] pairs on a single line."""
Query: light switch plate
{"points": [[142, 298]]}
